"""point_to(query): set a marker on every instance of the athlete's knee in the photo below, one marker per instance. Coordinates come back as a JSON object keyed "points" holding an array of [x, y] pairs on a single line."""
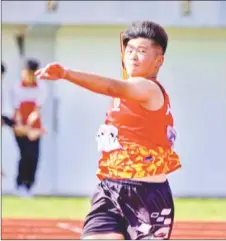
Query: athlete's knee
{"points": [[115, 236]]}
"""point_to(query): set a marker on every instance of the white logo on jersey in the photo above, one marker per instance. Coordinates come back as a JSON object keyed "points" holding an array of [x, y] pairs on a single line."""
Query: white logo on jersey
{"points": [[107, 138], [116, 104], [171, 135]]}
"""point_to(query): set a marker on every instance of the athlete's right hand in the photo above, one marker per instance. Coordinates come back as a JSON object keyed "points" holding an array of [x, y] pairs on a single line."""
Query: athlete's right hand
{"points": [[53, 71]]}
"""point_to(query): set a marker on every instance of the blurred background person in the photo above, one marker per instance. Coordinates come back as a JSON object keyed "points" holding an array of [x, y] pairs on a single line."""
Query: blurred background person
{"points": [[6, 120], [28, 98]]}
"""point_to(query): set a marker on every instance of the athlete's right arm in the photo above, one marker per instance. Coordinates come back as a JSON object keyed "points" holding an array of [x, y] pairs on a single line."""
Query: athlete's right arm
{"points": [[136, 89]]}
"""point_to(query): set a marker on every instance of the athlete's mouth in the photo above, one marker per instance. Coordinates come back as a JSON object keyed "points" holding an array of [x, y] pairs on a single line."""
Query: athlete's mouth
{"points": [[134, 64]]}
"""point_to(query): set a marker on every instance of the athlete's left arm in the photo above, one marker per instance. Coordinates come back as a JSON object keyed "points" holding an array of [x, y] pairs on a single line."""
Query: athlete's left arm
{"points": [[137, 89]]}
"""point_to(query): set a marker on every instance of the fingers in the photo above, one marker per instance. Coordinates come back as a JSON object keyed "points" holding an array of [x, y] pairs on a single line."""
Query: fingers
{"points": [[45, 76], [50, 72], [38, 72]]}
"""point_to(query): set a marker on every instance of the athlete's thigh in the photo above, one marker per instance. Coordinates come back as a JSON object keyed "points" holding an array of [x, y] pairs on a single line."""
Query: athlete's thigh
{"points": [[104, 220], [149, 210]]}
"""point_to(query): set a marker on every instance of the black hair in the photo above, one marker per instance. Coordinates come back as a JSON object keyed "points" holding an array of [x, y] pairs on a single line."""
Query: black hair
{"points": [[3, 69], [148, 30], [32, 65]]}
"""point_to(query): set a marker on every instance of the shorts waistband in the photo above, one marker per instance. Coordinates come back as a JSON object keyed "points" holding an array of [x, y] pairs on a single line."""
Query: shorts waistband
{"points": [[131, 182]]}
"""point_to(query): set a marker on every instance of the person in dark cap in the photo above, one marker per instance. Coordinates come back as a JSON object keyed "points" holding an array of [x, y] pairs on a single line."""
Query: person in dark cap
{"points": [[28, 98]]}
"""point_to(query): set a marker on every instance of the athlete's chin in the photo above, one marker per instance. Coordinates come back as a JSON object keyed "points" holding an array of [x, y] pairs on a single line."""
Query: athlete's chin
{"points": [[135, 74], [135, 71]]}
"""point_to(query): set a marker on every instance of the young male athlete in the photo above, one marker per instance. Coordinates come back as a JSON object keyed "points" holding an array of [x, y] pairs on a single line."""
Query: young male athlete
{"points": [[133, 199]]}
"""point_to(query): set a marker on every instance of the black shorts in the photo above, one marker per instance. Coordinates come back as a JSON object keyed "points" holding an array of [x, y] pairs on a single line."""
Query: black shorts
{"points": [[137, 210]]}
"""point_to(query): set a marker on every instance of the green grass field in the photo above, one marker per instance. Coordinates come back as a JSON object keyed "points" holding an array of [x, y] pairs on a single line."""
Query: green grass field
{"points": [[77, 208]]}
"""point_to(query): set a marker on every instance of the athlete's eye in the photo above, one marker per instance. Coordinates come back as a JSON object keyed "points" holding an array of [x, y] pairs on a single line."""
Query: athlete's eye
{"points": [[128, 51], [142, 51]]}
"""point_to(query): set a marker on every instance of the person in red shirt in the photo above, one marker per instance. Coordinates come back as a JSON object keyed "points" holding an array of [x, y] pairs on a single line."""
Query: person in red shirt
{"points": [[28, 97], [133, 199], [7, 121]]}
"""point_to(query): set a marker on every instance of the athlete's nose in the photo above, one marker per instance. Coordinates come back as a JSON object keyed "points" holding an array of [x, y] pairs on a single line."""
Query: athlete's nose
{"points": [[133, 56]]}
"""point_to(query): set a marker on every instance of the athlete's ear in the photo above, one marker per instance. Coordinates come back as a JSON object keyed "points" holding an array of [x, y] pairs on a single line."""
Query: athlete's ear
{"points": [[159, 61], [122, 50]]}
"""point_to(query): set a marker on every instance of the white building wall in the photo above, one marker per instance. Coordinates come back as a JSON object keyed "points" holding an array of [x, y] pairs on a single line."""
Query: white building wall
{"points": [[168, 13]]}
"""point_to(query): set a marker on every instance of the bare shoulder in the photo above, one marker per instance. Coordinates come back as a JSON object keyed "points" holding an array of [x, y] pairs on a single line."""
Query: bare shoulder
{"points": [[155, 94], [147, 84], [139, 89]]}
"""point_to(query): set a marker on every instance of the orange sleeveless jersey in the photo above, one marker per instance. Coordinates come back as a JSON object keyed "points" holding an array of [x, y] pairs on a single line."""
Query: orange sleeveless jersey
{"points": [[146, 139]]}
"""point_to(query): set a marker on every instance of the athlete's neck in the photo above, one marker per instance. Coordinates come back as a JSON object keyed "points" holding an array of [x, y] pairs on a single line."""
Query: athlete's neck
{"points": [[154, 76]]}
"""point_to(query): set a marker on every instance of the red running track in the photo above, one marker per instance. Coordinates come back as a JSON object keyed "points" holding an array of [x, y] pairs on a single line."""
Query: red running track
{"points": [[70, 229]]}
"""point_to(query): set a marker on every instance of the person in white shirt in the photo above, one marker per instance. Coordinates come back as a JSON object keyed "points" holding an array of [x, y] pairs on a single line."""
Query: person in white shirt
{"points": [[28, 98]]}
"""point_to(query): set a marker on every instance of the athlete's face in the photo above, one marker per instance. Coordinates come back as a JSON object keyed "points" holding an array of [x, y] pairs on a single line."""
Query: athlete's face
{"points": [[142, 58]]}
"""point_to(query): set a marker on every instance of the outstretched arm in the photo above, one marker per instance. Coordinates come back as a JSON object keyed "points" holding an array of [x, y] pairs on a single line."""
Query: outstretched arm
{"points": [[137, 89]]}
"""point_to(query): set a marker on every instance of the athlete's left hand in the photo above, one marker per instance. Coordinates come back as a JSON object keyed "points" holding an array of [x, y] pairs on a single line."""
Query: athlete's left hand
{"points": [[52, 71]]}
